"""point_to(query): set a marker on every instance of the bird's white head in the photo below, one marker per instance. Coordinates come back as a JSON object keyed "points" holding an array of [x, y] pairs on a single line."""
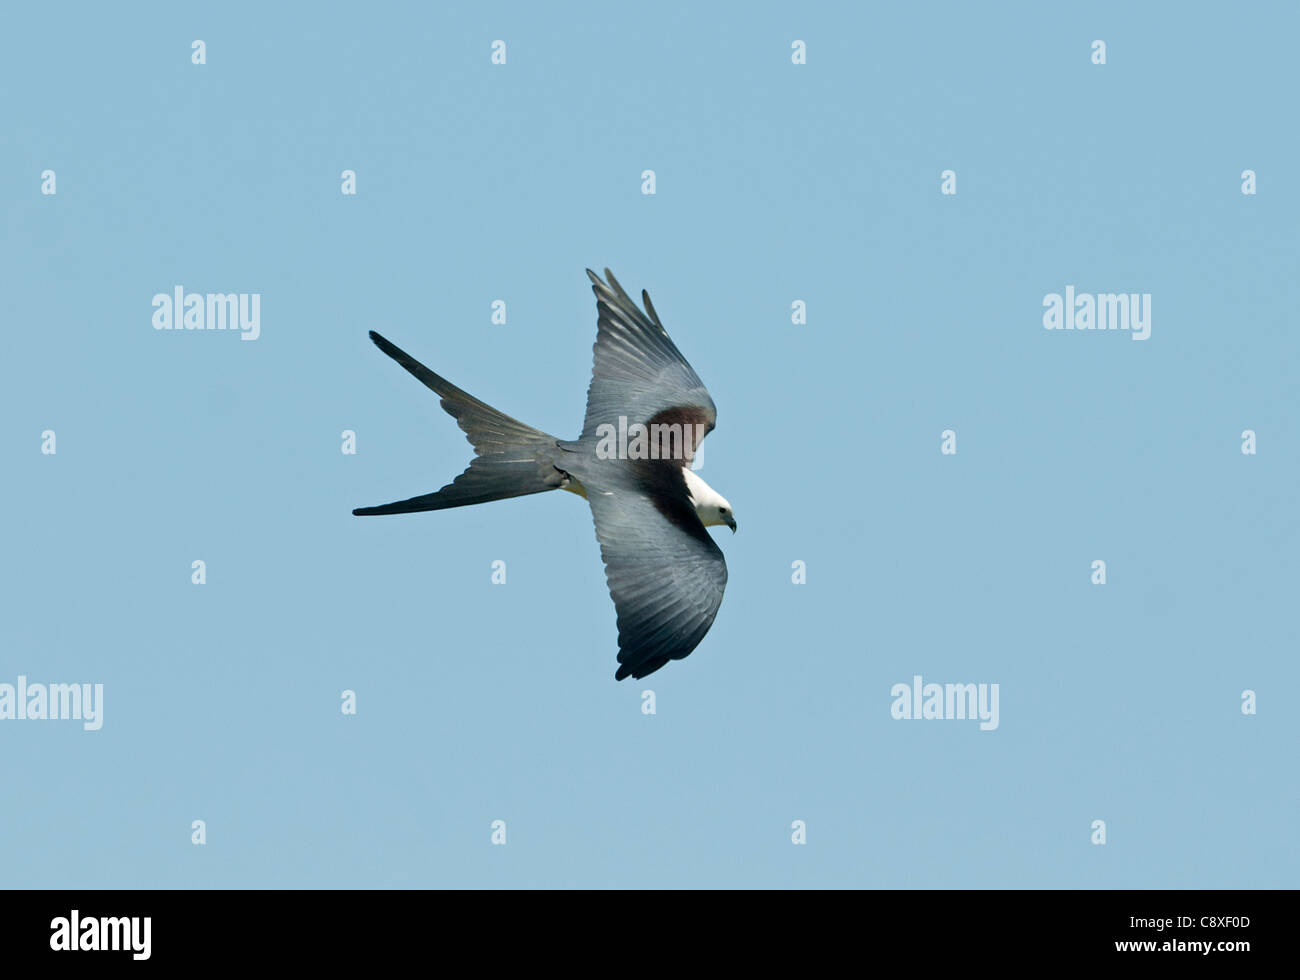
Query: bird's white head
{"points": [[712, 507]]}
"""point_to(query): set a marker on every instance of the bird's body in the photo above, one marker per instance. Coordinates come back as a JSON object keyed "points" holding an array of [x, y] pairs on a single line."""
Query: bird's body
{"points": [[665, 573]]}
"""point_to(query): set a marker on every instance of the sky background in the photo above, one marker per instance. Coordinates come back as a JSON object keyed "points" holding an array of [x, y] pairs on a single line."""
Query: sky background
{"points": [[775, 183]]}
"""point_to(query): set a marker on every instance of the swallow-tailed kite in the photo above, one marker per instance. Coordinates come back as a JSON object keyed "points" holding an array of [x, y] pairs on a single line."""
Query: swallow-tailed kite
{"points": [[665, 573]]}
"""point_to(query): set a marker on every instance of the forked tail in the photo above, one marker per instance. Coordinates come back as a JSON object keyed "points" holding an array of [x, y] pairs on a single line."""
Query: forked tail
{"points": [[512, 459]]}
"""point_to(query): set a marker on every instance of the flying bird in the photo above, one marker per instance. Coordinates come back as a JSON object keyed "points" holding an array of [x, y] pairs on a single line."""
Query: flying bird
{"points": [[665, 573]]}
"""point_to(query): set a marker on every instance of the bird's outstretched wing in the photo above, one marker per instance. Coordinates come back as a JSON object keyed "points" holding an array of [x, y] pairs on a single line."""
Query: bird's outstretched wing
{"points": [[665, 574], [637, 371]]}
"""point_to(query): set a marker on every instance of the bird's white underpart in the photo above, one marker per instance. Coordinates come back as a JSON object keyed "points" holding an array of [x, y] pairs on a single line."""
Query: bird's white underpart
{"points": [[712, 507]]}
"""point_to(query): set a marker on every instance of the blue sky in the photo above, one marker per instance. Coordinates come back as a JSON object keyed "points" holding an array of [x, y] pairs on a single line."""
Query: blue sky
{"points": [[775, 182]]}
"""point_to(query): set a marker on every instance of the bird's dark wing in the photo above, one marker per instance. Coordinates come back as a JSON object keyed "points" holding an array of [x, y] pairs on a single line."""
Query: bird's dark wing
{"points": [[665, 574], [638, 372]]}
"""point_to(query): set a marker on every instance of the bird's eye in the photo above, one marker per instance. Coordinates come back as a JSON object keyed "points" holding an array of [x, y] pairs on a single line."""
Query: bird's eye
{"points": [[722, 510]]}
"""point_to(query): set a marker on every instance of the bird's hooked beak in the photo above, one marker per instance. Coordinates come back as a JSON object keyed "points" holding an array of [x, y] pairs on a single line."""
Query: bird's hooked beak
{"points": [[731, 523]]}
